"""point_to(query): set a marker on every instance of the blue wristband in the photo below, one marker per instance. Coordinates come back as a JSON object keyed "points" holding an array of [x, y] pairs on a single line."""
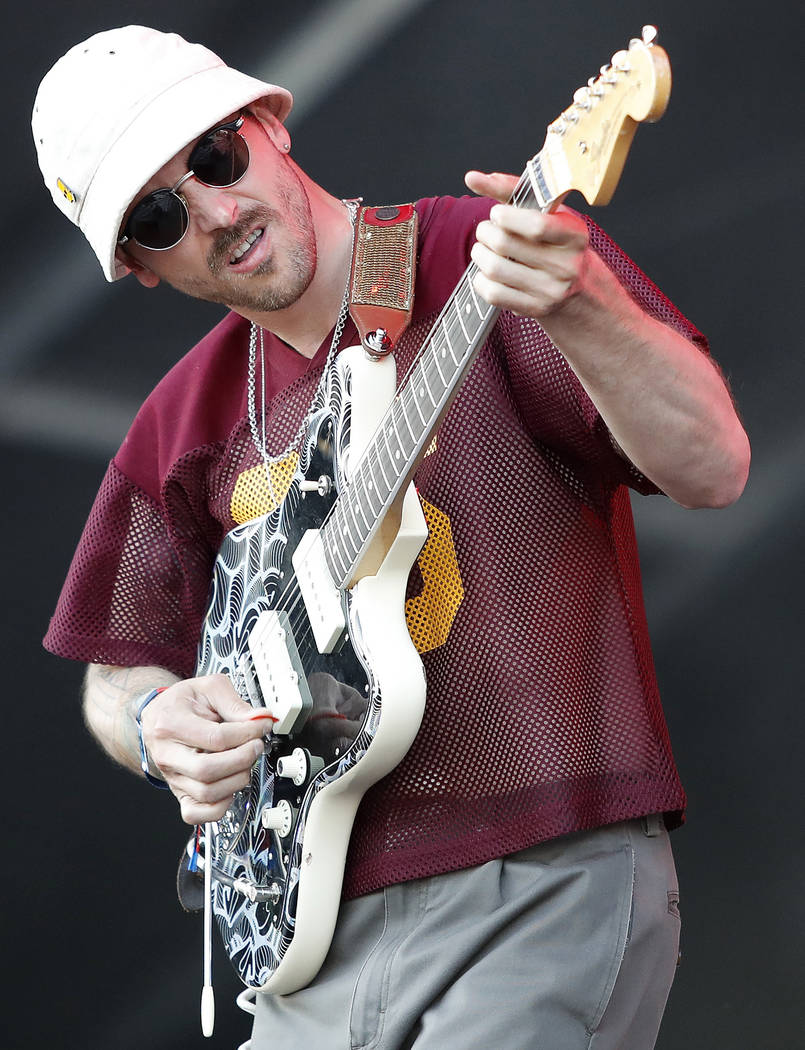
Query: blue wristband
{"points": [[141, 706]]}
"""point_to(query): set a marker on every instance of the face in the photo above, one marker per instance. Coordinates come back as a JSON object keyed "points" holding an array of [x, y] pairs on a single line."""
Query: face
{"points": [[251, 246]]}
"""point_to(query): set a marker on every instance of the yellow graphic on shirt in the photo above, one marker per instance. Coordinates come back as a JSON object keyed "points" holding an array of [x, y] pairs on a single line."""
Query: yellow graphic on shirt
{"points": [[430, 614], [253, 496]]}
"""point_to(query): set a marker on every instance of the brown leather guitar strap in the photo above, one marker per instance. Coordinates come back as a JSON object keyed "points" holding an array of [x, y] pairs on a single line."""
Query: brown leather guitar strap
{"points": [[383, 271]]}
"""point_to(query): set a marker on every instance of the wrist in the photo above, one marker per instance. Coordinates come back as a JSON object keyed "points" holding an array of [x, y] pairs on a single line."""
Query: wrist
{"points": [[140, 705]]}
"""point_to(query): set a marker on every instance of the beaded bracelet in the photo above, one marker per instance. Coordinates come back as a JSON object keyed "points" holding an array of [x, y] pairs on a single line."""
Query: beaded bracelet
{"points": [[141, 706]]}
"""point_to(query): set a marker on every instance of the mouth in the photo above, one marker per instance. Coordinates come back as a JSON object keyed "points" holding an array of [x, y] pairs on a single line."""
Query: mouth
{"points": [[246, 247]]}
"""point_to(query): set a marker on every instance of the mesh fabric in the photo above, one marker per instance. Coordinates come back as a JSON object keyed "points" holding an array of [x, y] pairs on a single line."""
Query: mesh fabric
{"points": [[543, 715]]}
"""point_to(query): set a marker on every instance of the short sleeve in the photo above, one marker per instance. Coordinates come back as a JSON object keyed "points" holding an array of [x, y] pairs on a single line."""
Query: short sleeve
{"points": [[128, 599]]}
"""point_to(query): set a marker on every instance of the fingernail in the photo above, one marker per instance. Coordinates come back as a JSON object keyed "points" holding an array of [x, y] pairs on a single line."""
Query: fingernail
{"points": [[262, 714]]}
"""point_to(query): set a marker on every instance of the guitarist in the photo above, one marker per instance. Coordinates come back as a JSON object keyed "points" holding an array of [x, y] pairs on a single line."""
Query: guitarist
{"points": [[510, 883]]}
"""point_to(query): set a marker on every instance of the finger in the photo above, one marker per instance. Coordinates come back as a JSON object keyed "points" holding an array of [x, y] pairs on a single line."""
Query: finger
{"points": [[218, 694], [560, 261], [217, 794], [195, 812], [561, 228], [495, 185], [185, 720], [512, 273], [527, 297], [179, 761]]}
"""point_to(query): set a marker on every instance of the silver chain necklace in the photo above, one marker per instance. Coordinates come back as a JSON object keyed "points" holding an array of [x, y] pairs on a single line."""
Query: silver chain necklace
{"points": [[255, 335]]}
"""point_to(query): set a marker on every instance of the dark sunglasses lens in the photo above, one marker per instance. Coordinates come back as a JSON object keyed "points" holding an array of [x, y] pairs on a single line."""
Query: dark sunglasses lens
{"points": [[159, 221], [220, 158]]}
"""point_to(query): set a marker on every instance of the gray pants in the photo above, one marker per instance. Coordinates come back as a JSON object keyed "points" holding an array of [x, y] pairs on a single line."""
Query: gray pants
{"points": [[569, 945]]}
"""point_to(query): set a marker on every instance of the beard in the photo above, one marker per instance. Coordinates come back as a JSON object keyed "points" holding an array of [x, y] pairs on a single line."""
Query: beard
{"points": [[281, 279]]}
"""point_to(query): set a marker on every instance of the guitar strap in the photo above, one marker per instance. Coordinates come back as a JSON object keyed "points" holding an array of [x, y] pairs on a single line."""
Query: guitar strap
{"points": [[381, 298]]}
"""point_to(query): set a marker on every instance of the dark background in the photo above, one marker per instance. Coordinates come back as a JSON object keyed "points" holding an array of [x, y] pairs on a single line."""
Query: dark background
{"points": [[395, 101]]}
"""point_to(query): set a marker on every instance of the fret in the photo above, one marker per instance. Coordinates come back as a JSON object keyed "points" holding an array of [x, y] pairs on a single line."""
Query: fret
{"points": [[354, 520], [401, 399], [461, 321], [449, 341], [425, 384], [435, 355], [334, 551], [360, 492], [369, 488], [394, 453], [416, 401], [378, 458], [346, 534], [475, 301], [394, 412], [435, 379]]}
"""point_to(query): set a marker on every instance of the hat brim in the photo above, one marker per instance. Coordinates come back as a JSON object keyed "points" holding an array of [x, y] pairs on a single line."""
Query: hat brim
{"points": [[171, 121]]}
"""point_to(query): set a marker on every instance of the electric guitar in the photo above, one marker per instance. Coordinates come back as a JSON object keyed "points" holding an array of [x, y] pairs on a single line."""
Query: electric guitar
{"points": [[307, 607]]}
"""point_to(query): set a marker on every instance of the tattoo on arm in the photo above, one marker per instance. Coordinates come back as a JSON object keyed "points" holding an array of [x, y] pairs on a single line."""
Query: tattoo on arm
{"points": [[110, 699]]}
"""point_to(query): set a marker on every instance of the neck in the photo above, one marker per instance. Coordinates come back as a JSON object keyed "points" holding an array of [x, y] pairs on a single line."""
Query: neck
{"points": [[306, 323]]}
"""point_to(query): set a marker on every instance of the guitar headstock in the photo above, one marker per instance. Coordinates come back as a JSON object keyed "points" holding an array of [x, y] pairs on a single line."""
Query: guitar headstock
{"points": [[587, 144]]}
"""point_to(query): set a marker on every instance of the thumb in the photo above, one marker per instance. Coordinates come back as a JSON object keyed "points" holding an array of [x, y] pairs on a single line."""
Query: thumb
{"points": [[220, 695], [495, 185]]}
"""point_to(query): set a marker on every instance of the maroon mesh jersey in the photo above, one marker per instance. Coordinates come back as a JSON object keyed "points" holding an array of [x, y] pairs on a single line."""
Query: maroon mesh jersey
{"points": [[542, 714]]}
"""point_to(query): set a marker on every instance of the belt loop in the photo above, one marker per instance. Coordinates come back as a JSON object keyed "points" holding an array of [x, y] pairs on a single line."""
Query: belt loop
{"points": [[653, 824]]}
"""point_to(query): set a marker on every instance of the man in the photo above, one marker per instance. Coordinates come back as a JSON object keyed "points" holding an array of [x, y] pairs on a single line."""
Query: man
{"points": [[510, 883]]}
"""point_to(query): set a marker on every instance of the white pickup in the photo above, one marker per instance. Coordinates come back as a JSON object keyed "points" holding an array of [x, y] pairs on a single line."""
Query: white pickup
{"points": [[322, 598], [279, 670]]}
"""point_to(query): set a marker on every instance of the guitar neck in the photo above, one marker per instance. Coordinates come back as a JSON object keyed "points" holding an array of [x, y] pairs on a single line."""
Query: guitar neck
{"points": [[585, 150], [405, 432]]}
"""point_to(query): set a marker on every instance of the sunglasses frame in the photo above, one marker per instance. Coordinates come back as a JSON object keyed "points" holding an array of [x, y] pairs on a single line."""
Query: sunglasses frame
{"points": [[232, 125]]}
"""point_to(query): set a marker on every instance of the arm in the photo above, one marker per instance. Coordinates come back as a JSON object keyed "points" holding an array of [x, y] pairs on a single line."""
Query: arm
{"points": [[199, 735], [664, 402]]}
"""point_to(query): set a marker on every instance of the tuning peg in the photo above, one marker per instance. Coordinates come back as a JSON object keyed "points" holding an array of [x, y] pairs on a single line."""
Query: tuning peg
{"points": [[608, 75], [649, 35], [620, 61], [596, 90], [582, 98]]}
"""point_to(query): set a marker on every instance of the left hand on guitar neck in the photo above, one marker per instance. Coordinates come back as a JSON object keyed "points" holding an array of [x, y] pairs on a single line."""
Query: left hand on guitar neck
{"points": [[531, 262]]}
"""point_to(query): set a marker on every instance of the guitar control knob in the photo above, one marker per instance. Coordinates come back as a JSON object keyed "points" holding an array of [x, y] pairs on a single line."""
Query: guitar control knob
{"points": [[294, 766], [278, 818]]}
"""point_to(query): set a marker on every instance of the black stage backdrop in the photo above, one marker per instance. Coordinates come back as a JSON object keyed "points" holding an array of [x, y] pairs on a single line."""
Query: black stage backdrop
{"points": [[396, 101]]}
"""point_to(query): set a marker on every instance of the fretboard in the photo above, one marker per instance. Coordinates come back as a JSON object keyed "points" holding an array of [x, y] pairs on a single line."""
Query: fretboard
{"points": [[416, 410]]}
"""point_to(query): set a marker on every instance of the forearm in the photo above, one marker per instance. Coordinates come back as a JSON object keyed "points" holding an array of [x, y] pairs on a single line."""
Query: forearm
{"points": [[110, 699], [663, 400]]}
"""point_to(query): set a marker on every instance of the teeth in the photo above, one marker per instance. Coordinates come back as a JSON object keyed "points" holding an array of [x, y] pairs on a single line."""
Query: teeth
{"points": [[245, 245]]}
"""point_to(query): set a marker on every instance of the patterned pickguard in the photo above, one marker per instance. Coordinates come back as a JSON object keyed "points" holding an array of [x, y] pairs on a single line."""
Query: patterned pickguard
{"points": [[253, 572]]}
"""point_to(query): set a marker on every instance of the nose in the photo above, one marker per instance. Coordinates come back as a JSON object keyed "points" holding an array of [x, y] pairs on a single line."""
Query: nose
{"points": [[211, 207]]}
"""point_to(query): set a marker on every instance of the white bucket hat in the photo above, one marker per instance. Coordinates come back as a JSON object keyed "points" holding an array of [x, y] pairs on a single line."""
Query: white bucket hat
{"points": [[120, 105]]}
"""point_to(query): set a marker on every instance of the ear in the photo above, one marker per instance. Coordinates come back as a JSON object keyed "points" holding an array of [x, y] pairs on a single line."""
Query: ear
{"points": [[146, 277], [274, 129]]}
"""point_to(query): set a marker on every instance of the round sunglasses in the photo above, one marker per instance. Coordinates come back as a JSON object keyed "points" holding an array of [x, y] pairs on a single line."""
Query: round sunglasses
{"points": [[161, 219]]}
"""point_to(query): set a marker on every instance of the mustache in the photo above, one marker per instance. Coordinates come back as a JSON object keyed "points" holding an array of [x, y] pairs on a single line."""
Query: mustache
{"points": [[219, 255]]}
